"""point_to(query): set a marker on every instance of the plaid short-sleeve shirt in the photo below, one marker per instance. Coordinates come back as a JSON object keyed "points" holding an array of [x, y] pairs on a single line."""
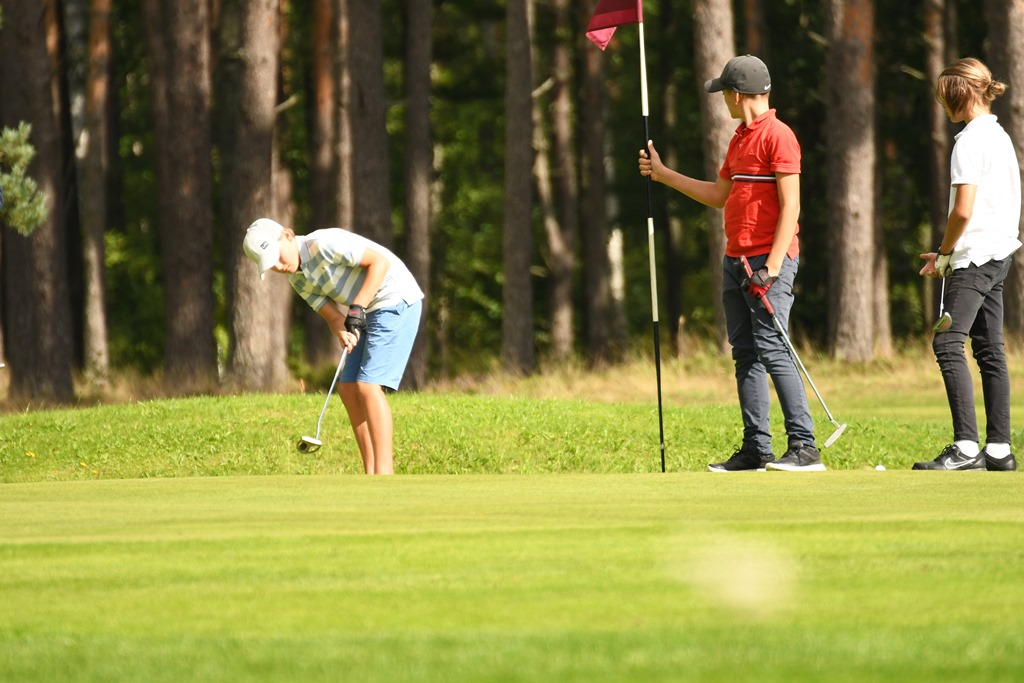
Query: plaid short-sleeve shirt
{"points": [[329, 269]]}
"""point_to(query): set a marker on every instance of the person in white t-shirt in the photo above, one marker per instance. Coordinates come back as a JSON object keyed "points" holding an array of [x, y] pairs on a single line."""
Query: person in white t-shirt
{"points": [[335, 270], [974, 258]]}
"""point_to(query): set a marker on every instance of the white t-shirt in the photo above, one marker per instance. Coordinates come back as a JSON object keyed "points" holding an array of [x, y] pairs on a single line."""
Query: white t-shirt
{"points": [[983, 156], [330, 269]]}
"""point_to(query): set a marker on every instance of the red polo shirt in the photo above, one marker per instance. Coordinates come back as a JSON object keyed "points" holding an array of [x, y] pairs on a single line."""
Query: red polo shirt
{"points": [[756, 153]]}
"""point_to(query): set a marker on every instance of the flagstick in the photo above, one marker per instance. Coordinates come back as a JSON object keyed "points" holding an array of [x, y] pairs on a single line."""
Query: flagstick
{"points": [[650, 245]]}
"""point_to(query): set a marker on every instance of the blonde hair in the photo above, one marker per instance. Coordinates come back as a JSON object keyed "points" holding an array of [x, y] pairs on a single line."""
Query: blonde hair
{"points": [[966, 83]]}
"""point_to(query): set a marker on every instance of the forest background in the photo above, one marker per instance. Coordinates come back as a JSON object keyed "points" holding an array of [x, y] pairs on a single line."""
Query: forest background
{"points": [[490, 144]]}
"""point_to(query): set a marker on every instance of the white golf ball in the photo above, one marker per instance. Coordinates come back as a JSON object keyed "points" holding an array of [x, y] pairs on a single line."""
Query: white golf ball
{"points": [[880, 468]]}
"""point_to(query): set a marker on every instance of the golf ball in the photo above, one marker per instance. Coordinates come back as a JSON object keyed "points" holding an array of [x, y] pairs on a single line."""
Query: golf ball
{"points": [[880, 468]]}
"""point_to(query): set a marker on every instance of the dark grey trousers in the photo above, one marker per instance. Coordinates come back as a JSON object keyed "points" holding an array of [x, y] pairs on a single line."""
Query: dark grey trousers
{"points": [[759, 352]]}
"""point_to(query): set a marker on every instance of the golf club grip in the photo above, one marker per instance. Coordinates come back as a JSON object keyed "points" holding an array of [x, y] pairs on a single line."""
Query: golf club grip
{"points": [[764, 299]]}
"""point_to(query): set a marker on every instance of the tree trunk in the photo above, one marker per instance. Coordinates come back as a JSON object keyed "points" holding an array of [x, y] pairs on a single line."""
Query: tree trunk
{"points": [[518, 353], [755, 29], [343, 131], [323, 167], [713, 44], [36, 294], [419, 169], [278, 297], [178, 32], [665, 119], [371, 205], [850, 115], [330, 200], [95, 165], [935, 62], [563, 246], [247, 86], [1006, 40], [556, 247], [593, 200]]}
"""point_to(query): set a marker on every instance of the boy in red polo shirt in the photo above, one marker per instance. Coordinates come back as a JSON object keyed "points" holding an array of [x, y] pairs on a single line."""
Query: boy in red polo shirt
{"points": [[759, 188]]}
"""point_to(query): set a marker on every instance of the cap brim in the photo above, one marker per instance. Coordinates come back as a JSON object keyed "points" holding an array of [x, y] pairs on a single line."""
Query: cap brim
{"points": [[714, 85]]}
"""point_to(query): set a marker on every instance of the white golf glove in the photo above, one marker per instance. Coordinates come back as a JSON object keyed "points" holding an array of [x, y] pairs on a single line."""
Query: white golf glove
{"points": [[942, 264]]}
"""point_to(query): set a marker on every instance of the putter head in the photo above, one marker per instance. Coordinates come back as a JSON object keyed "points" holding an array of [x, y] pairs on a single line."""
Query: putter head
{"points": [[308, 444], [835, 435], [943, 323]]}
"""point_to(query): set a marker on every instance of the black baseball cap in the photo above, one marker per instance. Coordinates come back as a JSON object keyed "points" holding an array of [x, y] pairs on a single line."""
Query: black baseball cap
{"points": [[745, 74]]}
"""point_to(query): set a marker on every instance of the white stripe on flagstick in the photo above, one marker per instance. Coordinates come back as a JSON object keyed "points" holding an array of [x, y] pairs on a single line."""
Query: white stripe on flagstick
{"points": [[643, 72], [654, 280]]}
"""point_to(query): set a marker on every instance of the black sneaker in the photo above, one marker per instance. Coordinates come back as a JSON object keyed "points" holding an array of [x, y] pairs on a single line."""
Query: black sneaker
{"points": [[953, 459], [743, 460], [1007, 464], [799, 458]]}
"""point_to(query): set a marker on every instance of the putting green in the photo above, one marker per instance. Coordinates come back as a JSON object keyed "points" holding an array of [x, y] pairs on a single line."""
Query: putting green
{"points": [[839, 576]]}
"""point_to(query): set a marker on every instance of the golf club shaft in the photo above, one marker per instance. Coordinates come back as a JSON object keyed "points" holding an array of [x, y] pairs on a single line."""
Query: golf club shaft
{"points": [[800, 364], [789, 344], [337, 373]]}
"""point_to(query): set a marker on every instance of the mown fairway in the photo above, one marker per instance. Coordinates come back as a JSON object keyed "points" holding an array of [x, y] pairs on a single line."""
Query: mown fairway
{"points": [[844, 576], [529, 536]]}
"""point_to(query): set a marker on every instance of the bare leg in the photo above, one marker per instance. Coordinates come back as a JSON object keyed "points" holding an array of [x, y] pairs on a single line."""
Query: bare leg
{"points": [[353, 401], [381, 426]]}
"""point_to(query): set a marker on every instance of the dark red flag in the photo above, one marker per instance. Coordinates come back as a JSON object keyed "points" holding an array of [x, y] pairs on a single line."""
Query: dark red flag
{"points": [[610, 14]]}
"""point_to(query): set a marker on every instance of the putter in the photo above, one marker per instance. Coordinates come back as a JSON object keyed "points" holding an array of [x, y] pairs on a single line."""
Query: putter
{"points": [[945, 319], [840, 428], [311, 444]]}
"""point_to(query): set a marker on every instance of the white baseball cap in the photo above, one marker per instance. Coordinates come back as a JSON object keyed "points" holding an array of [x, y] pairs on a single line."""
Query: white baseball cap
{"points": [[260, 244]]}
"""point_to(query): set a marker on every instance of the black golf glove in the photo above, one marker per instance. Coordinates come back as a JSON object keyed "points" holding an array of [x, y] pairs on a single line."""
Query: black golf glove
{"points": [[758, 284], [355, 321]]}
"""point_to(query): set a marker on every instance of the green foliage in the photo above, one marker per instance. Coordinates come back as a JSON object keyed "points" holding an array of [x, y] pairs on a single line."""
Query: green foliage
{"points": [[25, 207]]}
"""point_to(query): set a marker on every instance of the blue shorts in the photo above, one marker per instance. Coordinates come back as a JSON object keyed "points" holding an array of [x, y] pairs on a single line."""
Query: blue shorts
{"points": [[383, 350]]}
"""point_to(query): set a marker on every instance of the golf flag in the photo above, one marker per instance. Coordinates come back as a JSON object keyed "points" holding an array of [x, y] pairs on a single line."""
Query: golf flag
{"points": [[611, 14]]}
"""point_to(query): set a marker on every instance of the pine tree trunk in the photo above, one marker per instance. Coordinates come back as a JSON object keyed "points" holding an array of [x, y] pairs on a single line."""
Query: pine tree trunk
{"points": [[935, 62], [35, 288], [371, 205], [665, 120], [177, 33], [593, 198], [563, 246], [323, 167], [755, 30], [1006, 59], [850, 113], [518, 352], [328, 197], [95, 165], [247, 84], [713, 29], [419, 169]]}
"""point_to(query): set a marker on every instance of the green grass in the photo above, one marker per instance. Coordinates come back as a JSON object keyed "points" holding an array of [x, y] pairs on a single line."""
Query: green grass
{"points": [[435, 434], [846, 576], [539, 543]]}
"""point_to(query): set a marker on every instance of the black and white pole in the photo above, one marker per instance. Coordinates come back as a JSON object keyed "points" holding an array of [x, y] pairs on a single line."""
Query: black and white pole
{"points": [[650, 245]]}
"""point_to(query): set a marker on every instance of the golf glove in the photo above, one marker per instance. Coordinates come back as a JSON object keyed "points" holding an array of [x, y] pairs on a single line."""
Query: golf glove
{"points": [[942, 264], [355, 321], [758, 284]]}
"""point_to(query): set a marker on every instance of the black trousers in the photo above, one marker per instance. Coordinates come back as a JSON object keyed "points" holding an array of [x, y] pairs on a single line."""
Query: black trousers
{"points": [[974, 298]]}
